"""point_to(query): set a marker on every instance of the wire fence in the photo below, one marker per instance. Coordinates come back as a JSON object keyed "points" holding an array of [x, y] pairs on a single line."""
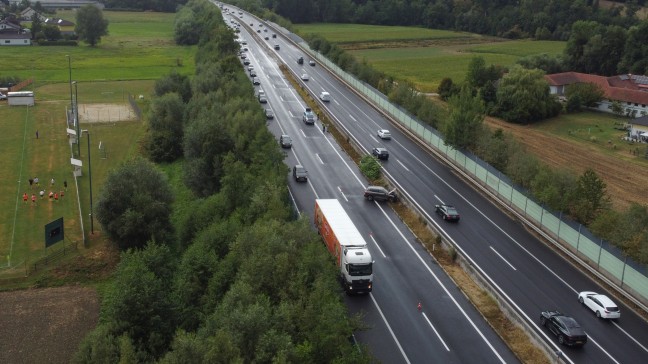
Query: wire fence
{"points": [[600, 255]]}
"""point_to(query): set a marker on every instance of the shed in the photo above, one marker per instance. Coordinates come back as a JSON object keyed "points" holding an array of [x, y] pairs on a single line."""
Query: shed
{"points": [[17, 98]]}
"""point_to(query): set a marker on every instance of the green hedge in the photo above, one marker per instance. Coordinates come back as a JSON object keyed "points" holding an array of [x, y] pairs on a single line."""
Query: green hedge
{"points": [[57, 43]]}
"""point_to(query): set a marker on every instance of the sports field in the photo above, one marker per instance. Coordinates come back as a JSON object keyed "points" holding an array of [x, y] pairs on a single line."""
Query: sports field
{"points": [[139, 50], [426, 56]]}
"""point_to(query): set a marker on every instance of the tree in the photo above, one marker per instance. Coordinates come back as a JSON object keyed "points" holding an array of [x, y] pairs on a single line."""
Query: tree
{"points": [[581, 95], [523, 96], [590, 198], [174, 82], [635, 55], [51, 32], [90, 24], [446, 88], [36, 25], [165, 134], [134, 206], [545, 62], [465, 122]]}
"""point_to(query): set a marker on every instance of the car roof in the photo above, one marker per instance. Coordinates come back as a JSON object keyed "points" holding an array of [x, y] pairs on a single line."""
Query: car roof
{"points": [[380, 149], [605, 300]]}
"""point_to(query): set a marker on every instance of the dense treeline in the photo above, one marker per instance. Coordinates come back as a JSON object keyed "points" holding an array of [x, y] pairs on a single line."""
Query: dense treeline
{"points": [[544, 19], [220, 271], [154, 5]]}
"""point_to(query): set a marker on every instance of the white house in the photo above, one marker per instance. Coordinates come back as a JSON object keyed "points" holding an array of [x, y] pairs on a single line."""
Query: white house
{"points": [[7, 39], [631, 91], [28, 13]]}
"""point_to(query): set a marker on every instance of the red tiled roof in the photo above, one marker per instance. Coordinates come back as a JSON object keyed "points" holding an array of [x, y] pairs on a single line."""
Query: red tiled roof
{"points": [[614, 88]]}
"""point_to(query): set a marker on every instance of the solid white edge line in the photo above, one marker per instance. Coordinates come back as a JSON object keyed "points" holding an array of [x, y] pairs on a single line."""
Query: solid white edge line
{"points": [[501, 257], [389, 328], [435, 331]]}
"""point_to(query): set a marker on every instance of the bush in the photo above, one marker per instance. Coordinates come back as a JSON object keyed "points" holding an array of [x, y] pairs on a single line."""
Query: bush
{"points": [[370, 167], [58, 43]]}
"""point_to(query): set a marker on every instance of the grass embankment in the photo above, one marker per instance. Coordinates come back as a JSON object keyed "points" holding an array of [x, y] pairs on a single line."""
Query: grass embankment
{"points": [[514, 336], [140, 47], [426, 56]]}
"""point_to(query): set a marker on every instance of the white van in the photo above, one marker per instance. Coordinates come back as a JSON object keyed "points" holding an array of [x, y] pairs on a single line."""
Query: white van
{"points": [[325, 96]]}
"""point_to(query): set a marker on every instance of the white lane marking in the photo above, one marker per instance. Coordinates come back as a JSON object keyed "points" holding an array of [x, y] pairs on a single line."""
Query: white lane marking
{"points": [[435, 331], [631, 338], [445, 289], [352, 118], [337, 103], [441, 201], [501, 257], [589, 338], [319, 158], [374, 138], [399, 162], [342, 193], [390, 329], [302, 131], [291, 114], [377, 246]]}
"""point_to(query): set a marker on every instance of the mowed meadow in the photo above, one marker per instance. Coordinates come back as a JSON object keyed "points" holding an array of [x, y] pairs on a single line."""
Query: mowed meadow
{"points": [[426, 56], [139, 50], [139, 46]]}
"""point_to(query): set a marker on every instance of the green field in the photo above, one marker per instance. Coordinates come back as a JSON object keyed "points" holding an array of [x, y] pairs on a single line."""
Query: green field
{"points": [[139, 46], [426, 56], [352, 33], [141, 38]]}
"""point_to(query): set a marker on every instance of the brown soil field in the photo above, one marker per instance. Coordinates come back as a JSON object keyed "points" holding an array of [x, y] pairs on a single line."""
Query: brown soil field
{"points": [[626, 181], [45, 325]]}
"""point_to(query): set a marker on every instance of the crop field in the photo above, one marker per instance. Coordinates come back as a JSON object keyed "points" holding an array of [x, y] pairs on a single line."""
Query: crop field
{"points": [[139, 50], [139, 46]]}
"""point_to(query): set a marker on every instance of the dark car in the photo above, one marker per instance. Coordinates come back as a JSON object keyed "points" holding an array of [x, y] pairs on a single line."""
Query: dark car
{"points": [[246, 61], [447, 212], [300, 60], [276, 46], [269, 114], [266, 38], [274, 35], [285, 141], [569, 332], [299, 173], [380, 193], [380, 153]]}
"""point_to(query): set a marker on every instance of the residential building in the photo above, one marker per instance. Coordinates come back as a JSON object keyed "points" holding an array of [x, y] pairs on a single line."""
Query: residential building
{"points": [[64, 4], [11, 33], [65, 26], [639, 129], [631, 91]]}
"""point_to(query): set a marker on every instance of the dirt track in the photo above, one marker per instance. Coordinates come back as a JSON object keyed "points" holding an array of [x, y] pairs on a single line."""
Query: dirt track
{"points": [[45, 325], [626, 182]]}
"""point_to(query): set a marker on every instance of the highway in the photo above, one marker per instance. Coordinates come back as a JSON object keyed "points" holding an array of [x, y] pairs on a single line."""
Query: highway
{"points": [[448, 329]]}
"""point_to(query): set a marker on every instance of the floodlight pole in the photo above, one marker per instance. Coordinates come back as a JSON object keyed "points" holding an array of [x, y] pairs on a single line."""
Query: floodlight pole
{"points": [[90, 174], [76, 118], [70, 71]]}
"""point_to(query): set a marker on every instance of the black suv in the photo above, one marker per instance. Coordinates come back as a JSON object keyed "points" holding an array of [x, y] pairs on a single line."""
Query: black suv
{"points": [[569, 332], [380, 193], [380, 153]]}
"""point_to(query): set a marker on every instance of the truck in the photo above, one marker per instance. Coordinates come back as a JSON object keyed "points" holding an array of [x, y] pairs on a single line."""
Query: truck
{"points": [[346, 245]]}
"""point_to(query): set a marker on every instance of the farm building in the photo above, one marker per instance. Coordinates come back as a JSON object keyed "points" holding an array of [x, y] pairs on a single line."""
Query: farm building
{"points": [[21, 98], [631, 91]]}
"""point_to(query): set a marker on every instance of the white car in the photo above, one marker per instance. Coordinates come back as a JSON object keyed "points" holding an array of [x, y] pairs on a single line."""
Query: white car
{"points": [[305, 77], [384, 134], [600, 304], [325, 96]]}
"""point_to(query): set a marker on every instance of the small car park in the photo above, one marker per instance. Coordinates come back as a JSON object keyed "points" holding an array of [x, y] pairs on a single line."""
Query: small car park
{"points": [[305, 77], [380, 193], [568, 331], [325, 96], [256, 81], [380, 153], [447, 212], [602, 305], [276, 46], [384, 134], [299, 173], [269, 114], [285, 141], [312, 63]]}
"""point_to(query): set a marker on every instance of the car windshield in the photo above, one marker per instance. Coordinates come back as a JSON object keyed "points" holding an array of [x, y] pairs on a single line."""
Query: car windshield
{"points": [[452, 211], [571, 323], [360, 269]]}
